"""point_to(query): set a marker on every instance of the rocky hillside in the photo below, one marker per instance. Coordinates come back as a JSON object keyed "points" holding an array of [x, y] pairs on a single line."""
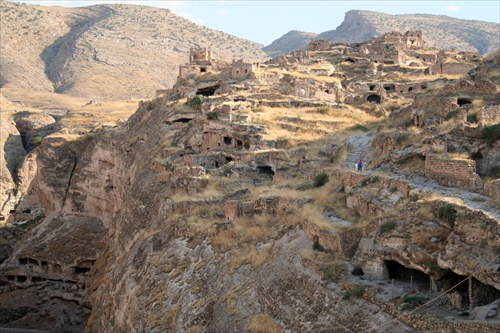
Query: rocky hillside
{"points": [[239, 210], [293, 40], [440, 31], [105, 51]]}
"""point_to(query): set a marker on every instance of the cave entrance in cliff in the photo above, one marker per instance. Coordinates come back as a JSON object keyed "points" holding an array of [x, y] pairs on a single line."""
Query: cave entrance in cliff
{"points": [[207, 91], [374, 99], [464, 101], [266, 170], [401, 273], [182, 120]]}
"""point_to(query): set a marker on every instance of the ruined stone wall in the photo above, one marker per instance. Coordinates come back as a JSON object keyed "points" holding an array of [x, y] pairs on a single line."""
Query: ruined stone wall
{"points": [[492, 188], [458, 173], [189, 70], [214, 140], [236, 208], [434, 324], [240, 70], [318, 45], [342, 243], [450, 68], [490, 114], [276, 205]]}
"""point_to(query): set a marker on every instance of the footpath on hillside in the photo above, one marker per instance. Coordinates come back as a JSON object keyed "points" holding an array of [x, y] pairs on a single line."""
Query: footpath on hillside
{"points": [[359, 148]]}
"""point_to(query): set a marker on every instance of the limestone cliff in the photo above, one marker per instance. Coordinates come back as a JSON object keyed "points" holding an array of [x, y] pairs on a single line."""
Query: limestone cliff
{"points": [[239, 210]]}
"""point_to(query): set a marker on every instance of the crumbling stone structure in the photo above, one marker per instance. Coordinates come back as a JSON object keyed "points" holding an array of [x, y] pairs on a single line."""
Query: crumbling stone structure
{"points": [[318, 45], [200, 56], [453, 172], [449, 68], [236, 208], [216, 140], [490, 114]]}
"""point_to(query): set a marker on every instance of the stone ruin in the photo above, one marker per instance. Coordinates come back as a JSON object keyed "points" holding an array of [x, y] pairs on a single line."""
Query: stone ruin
{"points": [[318, 45], [453, 172]]}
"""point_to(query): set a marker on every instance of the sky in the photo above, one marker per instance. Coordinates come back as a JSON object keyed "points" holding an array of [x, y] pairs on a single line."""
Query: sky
{"points": [[265, 21]]}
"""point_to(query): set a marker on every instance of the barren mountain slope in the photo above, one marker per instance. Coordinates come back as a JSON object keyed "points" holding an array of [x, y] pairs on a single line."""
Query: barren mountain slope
{"points": [[443, 32], [293, 40], [104, 51]]}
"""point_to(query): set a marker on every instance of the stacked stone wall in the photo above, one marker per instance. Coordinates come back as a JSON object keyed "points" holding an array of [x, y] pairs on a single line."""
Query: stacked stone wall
{"points": [[276, 205], [434, 324], [457, 173], [342, 243], [236, 208], [490, 114], [492, 188], [452, 68]]}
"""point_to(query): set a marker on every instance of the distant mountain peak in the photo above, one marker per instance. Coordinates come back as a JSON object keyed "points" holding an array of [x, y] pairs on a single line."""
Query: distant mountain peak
{"points": [[439, 31]]}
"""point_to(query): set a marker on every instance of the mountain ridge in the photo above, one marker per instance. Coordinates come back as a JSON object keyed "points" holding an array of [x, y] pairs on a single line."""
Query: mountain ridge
{"points": [[104, 51], [440, 31]]}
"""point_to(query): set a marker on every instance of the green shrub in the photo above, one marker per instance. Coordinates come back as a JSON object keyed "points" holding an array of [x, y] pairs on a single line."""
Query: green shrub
{"points": [[359, 127], [388, 226], [472, 117], [357, 291], [320, 180], [414, 198], [333, 272], [303, 187], [196, 100], [490, 132], [316, 245], [212, 115], [447, 213], [37, 140], [452, 114]]}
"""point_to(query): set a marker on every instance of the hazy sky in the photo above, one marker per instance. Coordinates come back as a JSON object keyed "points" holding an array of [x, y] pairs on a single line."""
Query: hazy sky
{"points": [[265, 21]]}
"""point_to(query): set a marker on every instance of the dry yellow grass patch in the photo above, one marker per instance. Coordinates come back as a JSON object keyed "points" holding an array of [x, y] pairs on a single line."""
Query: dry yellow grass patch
{"points": [[263, 323], [308, 124]]}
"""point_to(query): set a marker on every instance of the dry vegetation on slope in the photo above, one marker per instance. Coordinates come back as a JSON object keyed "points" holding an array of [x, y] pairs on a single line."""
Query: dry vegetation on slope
{"points": [[104, 51]]}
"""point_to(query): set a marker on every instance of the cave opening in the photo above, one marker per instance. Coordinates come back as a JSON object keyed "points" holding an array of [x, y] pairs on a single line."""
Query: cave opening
{"points": [[207, 91], [228, 159], [228, 140], [23, 261], [357, 271], [463, 101], [266, 170], [21, 279], [81, 270], [390, 87], [36, 279], [182, 120], [404, 274], [374, 99]]}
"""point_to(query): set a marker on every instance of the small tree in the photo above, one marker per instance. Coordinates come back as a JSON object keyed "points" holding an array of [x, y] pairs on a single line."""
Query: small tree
{"points": [[212, 115], [320, 180], [196, 101]]}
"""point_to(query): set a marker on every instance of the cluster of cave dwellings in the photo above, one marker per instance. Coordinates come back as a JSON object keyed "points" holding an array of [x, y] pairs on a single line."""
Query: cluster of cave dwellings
{"points": [[214, 140], [42, 271], [470, 292], [391, 88]]}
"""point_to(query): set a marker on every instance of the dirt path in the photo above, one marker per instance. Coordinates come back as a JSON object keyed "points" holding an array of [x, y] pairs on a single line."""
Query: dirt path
{"points": [[360, 148]]}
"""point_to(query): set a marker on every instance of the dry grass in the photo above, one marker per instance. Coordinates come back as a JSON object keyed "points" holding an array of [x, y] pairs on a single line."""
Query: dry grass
{"points": [[263, 323], [309, 124]]}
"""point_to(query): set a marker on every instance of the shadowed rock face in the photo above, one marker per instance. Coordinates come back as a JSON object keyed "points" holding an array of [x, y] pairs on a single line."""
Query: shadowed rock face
{"points": [[177, 221]]}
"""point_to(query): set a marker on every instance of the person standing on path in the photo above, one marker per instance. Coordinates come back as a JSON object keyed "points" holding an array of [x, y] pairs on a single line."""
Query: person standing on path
{"points": [[360, 166]]}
